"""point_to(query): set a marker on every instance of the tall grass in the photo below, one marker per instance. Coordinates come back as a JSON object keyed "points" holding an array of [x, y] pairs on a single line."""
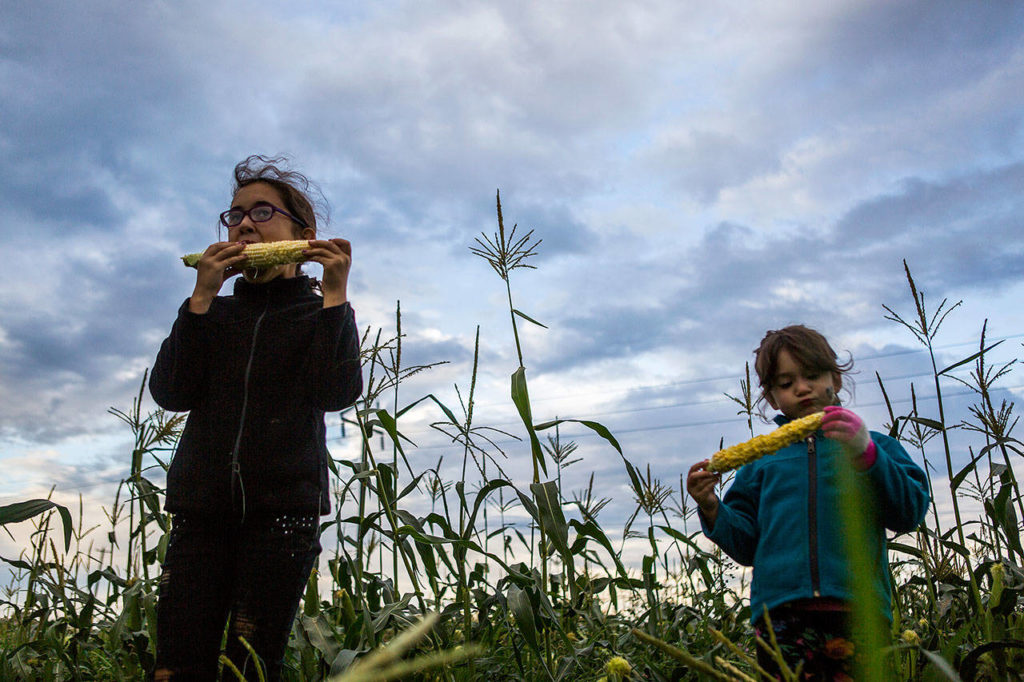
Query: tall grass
{"points": [[480, 595]]}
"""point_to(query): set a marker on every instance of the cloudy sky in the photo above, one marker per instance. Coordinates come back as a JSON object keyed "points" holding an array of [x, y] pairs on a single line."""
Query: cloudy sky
{"points": [[698, 173]]}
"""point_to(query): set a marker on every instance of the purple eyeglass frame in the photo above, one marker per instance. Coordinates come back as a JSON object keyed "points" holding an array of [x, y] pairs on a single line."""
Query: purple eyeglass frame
{"points": [[247, 213]]}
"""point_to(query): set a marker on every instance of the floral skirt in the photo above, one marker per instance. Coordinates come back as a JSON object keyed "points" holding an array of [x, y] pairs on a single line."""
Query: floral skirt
{"points": [[821, 639]]}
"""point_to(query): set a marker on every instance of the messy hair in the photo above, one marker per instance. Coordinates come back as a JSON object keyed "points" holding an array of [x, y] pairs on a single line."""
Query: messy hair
{"points": [[808, 348], [301, 197]]}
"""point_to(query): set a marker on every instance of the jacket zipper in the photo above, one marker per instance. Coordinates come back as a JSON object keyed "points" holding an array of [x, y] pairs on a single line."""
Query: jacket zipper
{"points": [[236, 467], [812, 513]]}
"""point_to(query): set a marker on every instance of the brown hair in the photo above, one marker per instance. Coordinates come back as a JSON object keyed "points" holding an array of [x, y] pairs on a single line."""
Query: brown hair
{"points": [[294, 187], [809, 349], [302, 198]]}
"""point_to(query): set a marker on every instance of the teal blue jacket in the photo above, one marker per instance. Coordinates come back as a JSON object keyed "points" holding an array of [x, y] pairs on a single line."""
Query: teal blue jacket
{"points": [[782, 516]]}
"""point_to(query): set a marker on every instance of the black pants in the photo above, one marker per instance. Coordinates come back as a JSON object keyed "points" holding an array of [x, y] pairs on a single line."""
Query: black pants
{"points": [[255, 572]]}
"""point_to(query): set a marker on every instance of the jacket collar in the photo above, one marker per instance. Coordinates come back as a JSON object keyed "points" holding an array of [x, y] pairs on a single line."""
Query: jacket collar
{"points": [[280, 287]]}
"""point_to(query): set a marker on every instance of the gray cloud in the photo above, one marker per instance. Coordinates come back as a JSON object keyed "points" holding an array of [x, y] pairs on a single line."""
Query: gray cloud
{"points": [[960, 235], [705, 161], [122, 124], [965, 232]]}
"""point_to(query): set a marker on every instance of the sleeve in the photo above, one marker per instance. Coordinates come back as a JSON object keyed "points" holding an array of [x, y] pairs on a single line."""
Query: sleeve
{"points": [[337, 374], [735, 529], [900, 484], [180, 371]]}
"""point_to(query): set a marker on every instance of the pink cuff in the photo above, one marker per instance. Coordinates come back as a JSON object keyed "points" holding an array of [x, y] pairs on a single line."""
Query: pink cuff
{"points": [[867, 458]]}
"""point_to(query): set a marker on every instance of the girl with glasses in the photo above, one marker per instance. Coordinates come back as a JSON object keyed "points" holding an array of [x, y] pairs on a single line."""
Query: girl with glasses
{"points": [[256, 370]]}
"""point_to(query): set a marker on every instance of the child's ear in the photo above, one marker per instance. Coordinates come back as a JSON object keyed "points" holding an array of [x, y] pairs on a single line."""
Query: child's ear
{"points": [[307, 233], [771, 400], [837, 384]]}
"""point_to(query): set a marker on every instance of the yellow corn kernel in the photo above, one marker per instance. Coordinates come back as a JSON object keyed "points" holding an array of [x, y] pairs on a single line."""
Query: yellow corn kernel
{"points": [[617, 667], [744, 453], [263, 254]]}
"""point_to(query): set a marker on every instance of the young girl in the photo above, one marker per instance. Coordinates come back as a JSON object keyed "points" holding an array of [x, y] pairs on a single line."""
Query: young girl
{"points": [[256, 371], [781, 515]]}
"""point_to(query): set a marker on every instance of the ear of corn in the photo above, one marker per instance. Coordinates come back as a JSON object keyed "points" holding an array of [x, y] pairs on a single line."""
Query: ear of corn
{"points": [[758, 446], [263, 254]]}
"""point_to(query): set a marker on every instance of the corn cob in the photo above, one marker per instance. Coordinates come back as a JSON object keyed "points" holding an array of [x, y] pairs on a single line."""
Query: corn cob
{"points": [[744, 453], [263, 254]]}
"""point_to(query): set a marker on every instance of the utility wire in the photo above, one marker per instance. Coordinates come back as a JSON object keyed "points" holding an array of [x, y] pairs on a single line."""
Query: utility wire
{"points": [[711, 422], [718, 399], [689, 403], [735, 376]]}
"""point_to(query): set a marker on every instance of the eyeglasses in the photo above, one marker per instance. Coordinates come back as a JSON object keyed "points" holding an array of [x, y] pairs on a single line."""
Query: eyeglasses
{"points": [[260, 213]]}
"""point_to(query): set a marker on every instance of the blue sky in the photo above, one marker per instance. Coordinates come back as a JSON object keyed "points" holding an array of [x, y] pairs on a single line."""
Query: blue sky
{"points": [[698, 173]]}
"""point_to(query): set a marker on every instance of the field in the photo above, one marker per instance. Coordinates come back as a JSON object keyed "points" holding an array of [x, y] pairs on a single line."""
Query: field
{"points": [[459, 593]]}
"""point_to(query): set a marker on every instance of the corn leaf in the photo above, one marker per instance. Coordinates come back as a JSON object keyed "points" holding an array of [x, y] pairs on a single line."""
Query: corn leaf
{"points": [[970, 359], [592, 530], [552, 519], [521, 607], [942, 665], [527, 317], [20, 511], [601, 430], [969, 467], [521, 398]]}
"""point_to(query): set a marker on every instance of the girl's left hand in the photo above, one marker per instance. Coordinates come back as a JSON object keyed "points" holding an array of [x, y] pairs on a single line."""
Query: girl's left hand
{"points": [[336, 257], [847, 428]]}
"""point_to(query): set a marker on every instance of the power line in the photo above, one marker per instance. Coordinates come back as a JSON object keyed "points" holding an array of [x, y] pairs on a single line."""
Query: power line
{"points": [[737, 377], [718, 399], [689, 403], [710, 422]]}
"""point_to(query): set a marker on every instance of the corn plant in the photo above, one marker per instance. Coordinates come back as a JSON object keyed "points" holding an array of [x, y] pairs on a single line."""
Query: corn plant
{"points": [[556, 601]]}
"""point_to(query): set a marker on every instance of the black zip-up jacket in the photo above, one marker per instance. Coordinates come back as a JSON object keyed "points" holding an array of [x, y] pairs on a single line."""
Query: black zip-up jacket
{"points": [[256, 374]]}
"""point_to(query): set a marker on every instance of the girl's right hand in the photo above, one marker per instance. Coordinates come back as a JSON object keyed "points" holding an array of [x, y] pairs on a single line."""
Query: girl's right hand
{"points": [[700, 483], [218, 263]]}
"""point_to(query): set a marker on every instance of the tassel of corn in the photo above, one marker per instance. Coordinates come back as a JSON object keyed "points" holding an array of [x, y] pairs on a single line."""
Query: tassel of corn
{"points": [[263, 254], [744, 453]]}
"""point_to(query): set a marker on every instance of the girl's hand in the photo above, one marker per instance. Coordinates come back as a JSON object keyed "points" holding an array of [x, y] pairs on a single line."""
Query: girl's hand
{"points": [[336, 257], [700, 483], [218, 263], [847, 428]]}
